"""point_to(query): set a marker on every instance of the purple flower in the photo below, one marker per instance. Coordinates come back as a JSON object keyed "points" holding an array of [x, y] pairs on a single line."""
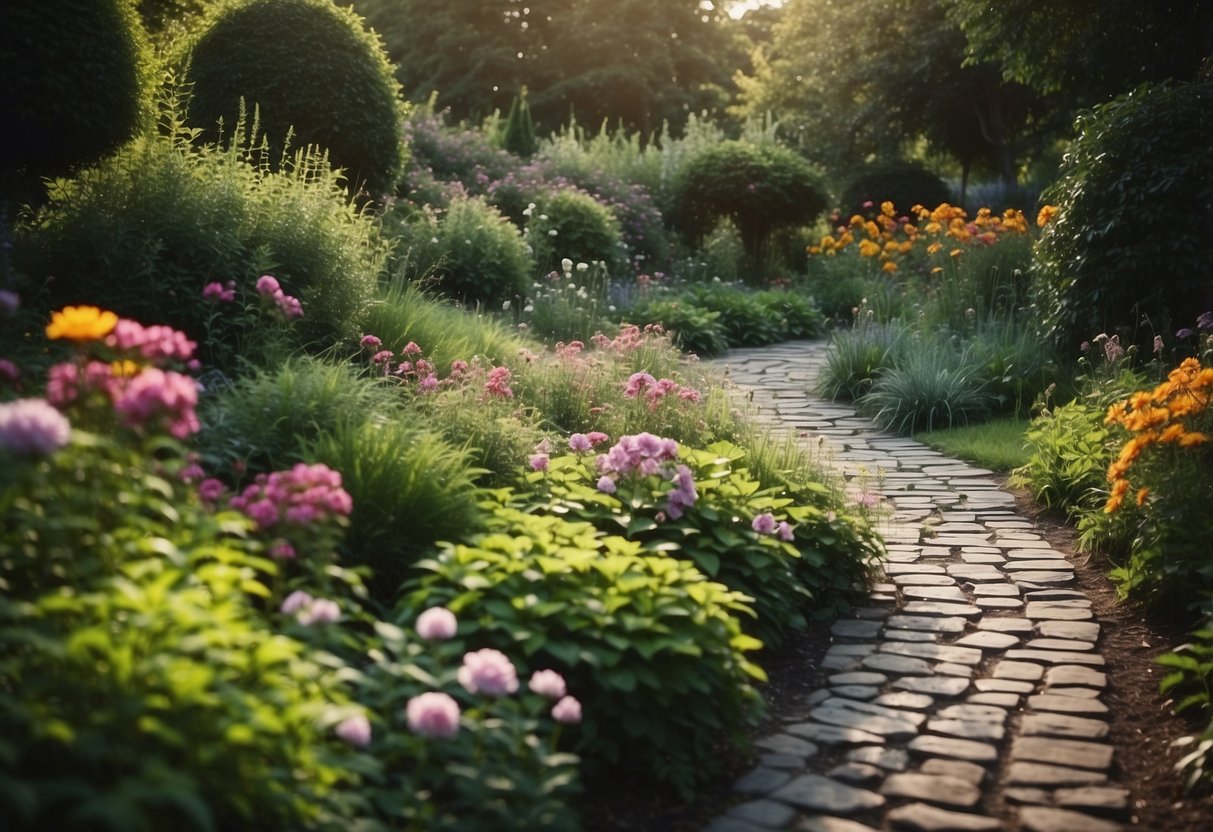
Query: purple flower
{"points": [[370, 342], [9, 302], [785, 532], [437, 624], [488, 671], [597, 437], [355, 730], [547, 683], [764, 523], [320, 611], [433, 714], [579, 442], [1205, 322], [31, 427], [428, 384], [1183, 333], [210, 490], [220, 292], [606, 485], [166, 398], [295, 602], [684, 495], [567, 711], [268, 285], [8, 370], [539, 462]]}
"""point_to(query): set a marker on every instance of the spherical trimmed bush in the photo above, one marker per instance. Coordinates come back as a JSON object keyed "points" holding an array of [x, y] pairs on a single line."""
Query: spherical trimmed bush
{"points": [[76, 83], [1131, 245], [572, 224], [905, 185], [309, 66], [759, 187]]}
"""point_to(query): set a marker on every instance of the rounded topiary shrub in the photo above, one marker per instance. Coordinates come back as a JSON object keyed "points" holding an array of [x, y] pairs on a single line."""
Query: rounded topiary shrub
{"points": [[905, 185], [759, 187], [473, 253], [309, 66], [76, 76], [572, 224], [1130, 247]]}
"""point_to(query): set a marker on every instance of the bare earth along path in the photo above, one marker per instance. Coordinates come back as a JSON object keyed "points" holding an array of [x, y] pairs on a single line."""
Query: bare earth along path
{"points": [[971, 692]]}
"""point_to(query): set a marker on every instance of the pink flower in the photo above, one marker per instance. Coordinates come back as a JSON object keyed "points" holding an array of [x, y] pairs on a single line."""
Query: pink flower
{"points": [[411, 348], [498, 383], [158, 397], [764, 523], [579, 442], [381, 357], [268, 285], [539, 462], [154, 343], [320, 611], [192, 473], [62, 384], [458, 368], [355, 730], [567, 711], [370, 342], [637, 383], [210, 490], [547, 683], [220, 292], [282, 550], [684, 495], [488, 671], [296, 601], [433, 714], [689, 394], [31, 427], [597, 437], [785, 532], [606, 485], [428, 384], [437, 624]]}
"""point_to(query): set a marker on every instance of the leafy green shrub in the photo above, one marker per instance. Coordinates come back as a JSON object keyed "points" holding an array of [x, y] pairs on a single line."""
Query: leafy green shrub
{"points": [[471, 252], [79, 76], [1131, 238], [572, 224], [857, 356], [759, 187], [934, 386], [149, 228], [309, 67], [797, 314], [903, 184], [1191, 677], [694, 329], [1070, 455], [653, 649]]}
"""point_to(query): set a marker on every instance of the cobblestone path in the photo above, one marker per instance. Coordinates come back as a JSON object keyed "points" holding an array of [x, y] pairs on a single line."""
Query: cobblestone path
{"points": [[967, 694]]}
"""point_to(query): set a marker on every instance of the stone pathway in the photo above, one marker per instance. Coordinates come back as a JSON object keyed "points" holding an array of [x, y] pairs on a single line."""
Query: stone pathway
{"points": [[967, 694]]}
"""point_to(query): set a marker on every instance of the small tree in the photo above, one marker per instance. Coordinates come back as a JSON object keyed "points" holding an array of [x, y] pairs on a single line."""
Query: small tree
{"points": [[518, 135], [760, 188]]}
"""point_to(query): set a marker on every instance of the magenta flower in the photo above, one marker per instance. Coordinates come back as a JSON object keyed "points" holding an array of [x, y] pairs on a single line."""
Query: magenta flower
{"points": [[31, 427], [488, 671], [268, 285], [785, 532], [433, 714], [8, 370], [498, 383], [428, 384], [283, 550], [211, 490], [637, 383], [539, 462], [689, 394], [411, 348], [159, 397], [371, 342], [579, 442], [684, 494], [567, 711], [547, 683], [225, 293], [437, 624], [764, 523], [355, 730]]}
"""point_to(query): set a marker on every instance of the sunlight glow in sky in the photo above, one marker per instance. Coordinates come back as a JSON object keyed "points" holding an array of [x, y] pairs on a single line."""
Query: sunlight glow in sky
{"points": [[740, 7]]}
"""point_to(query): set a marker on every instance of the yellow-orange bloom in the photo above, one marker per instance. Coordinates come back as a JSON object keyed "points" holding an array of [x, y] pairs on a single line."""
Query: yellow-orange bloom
{"points": [[1047, 212], [867, 248], [956, 252], [934, 248], [889, 266], [1118, 496], [81, 323], [1193, 438], [886, 208], [125, 369], [1142, 493]]}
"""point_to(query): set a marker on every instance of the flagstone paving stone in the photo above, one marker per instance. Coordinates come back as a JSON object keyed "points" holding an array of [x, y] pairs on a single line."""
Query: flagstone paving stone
{"points": [[971, 679]]}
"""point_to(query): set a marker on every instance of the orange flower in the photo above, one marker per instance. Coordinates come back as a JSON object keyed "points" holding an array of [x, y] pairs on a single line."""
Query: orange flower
{"points": [[1142, 493], [1117, 497], [1190, 439], [889, 267], [1047, 212], [81, 323]]}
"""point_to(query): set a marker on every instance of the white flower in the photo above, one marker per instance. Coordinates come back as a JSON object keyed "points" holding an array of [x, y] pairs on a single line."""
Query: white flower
{"points": [[528, 308], [505, 304], [566, 265], [581, 267], [552, 232]]}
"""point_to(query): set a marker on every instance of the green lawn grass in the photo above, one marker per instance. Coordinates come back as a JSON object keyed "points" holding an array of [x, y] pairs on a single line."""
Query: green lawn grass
{"points": [[997, 444]]}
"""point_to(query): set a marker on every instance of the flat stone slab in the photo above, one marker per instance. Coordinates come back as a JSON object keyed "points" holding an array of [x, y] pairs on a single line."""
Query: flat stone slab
{"points": [[855, 628], [821, 794], [988, 640], [899, 665], [978, 573], [1063, 725], [1062, 752], [761, 780], [1003, 590], [941, 608], [770, 814], [1021, 773], [1019, 671], [1042, 578], [999, 603], [968, 729], [982, 557], [890, 759], [999, 699], [1079, 630], [861, 677], [1070, 675], [935, 593], [1066, 704], [1044, 564], [1057, 657], [934, 685], [895, 730], [825, 823], [932, 788], [904, 699], [1005, 625], [974, 713], [1105, 799], [923, 817], [1048, 819], [1074, 645], [787, 744], [923, 580], [877, 710], [910, 635], [973, 751], [892, 569], [1040, 610], [833, 734], [969, 772], [934, 652], [855, 691], [932, 624], [857, 774]]}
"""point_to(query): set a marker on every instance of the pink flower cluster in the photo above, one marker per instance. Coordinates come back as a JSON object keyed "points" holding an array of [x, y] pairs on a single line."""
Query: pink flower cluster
{"points": [[32, 427], [580, 442], [355, 730], [642, 452], [158, 396], [654, 390], [683, 495], [303, 495], [222, 292], [288, 306], [434, 715], [308, 610], [437, 624], [499, 383], [489, 672], [630, 337], [765, 524]]}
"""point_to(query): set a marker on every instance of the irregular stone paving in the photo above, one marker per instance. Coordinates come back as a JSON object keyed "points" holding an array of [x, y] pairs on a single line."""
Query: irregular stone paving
{"points": [[967, 693]]}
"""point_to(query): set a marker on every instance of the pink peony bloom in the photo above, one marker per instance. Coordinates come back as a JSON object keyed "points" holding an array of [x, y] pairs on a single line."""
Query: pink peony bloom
{"points": [[296, 601], [355, 730], [764, 523], [282, 550], [579, 442], [539, 462], [547, 683], [567, 711], [268, 285], [31, 427], [437, 624], [488, 671], [433, 714], [606, 485], [220, 292]]}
